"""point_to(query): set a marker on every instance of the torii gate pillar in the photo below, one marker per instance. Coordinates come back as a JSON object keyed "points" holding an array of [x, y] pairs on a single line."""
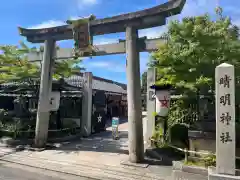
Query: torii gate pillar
{"points": [[41, 131], [135, 126]]}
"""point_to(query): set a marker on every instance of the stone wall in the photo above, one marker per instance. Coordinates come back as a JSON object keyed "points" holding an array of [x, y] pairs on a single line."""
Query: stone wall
{"points": [[207, 143]]}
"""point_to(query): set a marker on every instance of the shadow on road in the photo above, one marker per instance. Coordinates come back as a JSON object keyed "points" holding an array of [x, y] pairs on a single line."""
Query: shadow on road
{"points": [[101, 142]]}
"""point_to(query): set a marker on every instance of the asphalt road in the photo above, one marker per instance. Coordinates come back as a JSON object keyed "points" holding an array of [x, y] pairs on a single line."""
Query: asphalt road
{"points": [[10, 171]]}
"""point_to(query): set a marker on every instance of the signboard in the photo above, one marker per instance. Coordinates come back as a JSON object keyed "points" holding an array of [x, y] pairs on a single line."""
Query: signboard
{"points": [[115, 123], [54, 101], [81, 36]]}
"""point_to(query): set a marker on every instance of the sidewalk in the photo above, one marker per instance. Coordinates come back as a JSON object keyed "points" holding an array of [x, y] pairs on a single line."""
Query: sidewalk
{"points": [[5, 150], [97, 157]]}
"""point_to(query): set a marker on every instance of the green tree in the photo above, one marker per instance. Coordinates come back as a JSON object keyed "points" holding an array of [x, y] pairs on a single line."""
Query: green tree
{"points": [[15, 66], [194, 47]]}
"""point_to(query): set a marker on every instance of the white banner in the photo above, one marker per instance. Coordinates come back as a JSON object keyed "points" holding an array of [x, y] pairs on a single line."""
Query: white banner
{"points": [[54, 101], [162, 102]]}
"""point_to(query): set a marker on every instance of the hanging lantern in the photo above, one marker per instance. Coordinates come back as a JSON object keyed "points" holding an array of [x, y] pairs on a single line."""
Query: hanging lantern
{"points": [[163, 97]]}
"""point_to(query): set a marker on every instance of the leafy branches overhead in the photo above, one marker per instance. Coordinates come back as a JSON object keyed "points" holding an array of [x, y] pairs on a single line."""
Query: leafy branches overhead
{"points": [[15, 66], [66, 68], [194, 47]]}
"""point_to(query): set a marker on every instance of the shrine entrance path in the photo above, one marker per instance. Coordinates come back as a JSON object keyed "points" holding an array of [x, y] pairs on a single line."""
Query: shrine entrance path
{"points": [[98, 156]]}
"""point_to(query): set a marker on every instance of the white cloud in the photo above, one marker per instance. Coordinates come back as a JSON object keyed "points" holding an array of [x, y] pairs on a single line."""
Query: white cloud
{"points": [[88, 2], [99, 64], [100, 41], [109, 66], [47, 24], [83, 3], [152, 32], [198, 7], [75, 17], [236, 22], [115, 67]]}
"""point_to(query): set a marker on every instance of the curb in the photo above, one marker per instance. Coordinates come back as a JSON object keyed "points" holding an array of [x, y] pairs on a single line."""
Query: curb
{"points": [[179, 166], [8, 142]]}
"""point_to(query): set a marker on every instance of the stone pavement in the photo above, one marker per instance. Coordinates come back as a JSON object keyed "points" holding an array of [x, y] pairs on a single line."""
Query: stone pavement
{"points": [[180, 175], [98, 157], [12, 171], [5, 150]]}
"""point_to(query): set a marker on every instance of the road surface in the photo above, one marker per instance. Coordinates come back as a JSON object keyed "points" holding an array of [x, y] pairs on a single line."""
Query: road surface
{"points": [[10, 171]]}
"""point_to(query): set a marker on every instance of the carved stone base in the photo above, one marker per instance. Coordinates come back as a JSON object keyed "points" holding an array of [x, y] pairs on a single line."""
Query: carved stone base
{"points": [[212, 175], [201, 141]]}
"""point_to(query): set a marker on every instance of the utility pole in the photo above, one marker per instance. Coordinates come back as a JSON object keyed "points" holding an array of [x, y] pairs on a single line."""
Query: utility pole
{"points": [[135, 126]]}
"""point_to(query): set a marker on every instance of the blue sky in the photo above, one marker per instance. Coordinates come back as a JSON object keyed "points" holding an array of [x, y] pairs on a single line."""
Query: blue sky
{"points": [[46, 13]]}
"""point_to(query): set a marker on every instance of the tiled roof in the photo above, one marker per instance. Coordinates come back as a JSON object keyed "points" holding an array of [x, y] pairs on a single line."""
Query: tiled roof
{"points": [[106, 86], [98, 84], [74, 81]]}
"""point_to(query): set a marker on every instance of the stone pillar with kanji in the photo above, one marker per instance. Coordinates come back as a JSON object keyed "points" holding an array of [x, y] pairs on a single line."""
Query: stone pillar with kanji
{"points": [[225, 119]]}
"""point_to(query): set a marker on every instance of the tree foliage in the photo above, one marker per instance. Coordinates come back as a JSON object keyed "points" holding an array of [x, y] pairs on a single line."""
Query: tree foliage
{"points": [[187, 60], [15, 66], [194, 47]]}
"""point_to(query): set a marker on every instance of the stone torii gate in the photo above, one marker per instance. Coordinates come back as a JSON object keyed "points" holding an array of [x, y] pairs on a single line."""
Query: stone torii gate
{"points": [[129, 23]]}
